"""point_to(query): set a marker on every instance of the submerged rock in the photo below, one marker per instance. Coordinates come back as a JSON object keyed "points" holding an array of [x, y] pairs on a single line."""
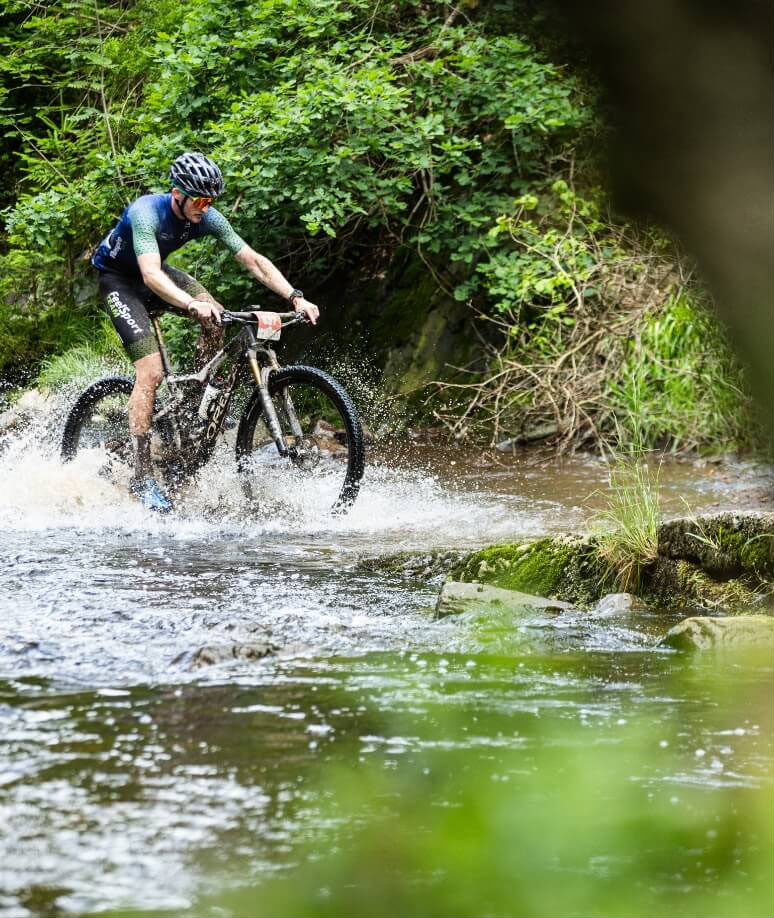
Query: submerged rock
{"points": [[416, 565], [456, 598], [211, 655], [528, 435], [617, 604], [704, 633]]}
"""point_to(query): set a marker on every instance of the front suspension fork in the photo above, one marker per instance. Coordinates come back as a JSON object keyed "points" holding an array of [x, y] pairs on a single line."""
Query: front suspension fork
{"points": [[262, 381]]}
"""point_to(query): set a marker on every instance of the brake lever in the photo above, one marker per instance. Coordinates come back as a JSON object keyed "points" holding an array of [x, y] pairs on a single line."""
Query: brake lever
{"points": [[298, 317]]}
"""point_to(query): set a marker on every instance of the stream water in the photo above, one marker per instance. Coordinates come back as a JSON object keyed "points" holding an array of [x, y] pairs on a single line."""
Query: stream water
{"points": [[130, 780]]}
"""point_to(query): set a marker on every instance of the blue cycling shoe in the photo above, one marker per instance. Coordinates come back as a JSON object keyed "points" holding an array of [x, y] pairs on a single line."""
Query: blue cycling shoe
{"points": [[150, 495]]}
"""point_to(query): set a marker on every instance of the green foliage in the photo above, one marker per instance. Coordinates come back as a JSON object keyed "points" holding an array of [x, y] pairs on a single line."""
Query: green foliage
{"points": [[603, 340], [345, 130], [180, 337], [326, 119], [29, 335], [680, 384], [80, 365], [98, 352]]}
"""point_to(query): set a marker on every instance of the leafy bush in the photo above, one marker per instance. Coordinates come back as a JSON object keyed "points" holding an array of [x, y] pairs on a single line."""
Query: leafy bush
{"points": [[329, 120], [346, 130], [604, 338], [94, 355]]}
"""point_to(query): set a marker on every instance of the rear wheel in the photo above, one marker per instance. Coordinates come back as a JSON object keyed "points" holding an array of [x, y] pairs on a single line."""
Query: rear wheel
{"points": [[98, 425], [321, 430]]}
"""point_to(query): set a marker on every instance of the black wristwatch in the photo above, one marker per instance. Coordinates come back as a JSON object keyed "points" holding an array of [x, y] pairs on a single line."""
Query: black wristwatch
{"points": [[295, 294]]}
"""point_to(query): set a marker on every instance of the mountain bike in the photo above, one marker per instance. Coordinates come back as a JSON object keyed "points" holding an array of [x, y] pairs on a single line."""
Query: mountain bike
{"points": [[296, 420]]}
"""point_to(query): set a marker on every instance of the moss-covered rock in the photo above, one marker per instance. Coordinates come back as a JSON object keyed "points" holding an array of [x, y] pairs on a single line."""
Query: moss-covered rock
{"points": [[724, 545], [671, 583], [567, 568], [719, 562]]}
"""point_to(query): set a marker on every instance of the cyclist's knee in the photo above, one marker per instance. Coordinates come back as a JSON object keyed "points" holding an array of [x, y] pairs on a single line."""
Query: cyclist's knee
{"points": [[149, 371]]}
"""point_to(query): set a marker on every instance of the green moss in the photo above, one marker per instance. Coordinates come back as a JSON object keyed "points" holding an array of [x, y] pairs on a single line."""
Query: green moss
{"points": [[747, 549], [407, 305], [756, 555], [697, 586], [565, 568]]}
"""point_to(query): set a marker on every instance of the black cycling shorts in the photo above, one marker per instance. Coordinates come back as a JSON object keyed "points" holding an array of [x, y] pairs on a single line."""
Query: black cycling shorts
{"points": [[130, 305]]}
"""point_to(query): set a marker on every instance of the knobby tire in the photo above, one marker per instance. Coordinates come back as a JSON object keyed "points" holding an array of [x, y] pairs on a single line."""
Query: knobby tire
{"points": [[311, 376]]}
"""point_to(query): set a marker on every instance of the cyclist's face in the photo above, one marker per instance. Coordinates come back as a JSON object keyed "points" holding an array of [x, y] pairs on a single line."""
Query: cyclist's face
{"points": [[192, 209]]}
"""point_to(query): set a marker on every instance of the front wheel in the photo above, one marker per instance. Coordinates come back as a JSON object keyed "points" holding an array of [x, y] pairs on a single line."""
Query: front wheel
{"points": [[321, 431]]}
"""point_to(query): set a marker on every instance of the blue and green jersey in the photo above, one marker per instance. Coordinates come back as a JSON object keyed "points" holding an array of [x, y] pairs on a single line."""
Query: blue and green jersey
{"points": [[150, 225]]}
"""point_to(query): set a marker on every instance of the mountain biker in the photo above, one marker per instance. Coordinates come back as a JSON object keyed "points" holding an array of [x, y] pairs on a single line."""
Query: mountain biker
{"points": [[135, 283]]}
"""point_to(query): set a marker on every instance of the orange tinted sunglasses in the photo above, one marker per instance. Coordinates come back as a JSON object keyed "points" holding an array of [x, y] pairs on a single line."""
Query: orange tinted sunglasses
{"points": [[201, 201]]}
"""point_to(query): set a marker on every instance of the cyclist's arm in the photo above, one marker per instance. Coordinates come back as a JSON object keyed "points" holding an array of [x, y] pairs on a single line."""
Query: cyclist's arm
{"points": [[144, 227], [271, 276], [258, 265], [154, 278], [264, 271]]}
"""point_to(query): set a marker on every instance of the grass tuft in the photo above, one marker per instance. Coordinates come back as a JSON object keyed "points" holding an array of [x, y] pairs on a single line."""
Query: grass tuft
{"points": [[628, 539]]}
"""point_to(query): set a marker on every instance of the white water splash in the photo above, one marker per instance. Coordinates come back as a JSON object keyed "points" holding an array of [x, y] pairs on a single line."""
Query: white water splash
{"points": [[396, 507]]}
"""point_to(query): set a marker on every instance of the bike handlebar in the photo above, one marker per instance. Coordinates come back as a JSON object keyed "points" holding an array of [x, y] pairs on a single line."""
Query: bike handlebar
{"points": [[246, 318]]}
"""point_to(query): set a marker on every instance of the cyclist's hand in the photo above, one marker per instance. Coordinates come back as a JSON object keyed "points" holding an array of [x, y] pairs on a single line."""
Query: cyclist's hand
{"points": [[206, 311], [309, 310]]}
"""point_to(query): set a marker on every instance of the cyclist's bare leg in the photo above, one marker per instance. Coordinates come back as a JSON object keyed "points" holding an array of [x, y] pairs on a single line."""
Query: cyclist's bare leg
{"points": [[211, 336], [149, 374]]}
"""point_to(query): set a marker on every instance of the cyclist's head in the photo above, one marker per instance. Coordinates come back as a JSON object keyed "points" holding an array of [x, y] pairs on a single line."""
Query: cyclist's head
{"points": [[196, 176]]}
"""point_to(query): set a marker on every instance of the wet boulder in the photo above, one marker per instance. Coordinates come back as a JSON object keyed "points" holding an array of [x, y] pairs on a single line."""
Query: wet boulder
{"points": [[214, 654], [708, 633], [565, 567], [426, 566], [723, 545], [457, 598]]}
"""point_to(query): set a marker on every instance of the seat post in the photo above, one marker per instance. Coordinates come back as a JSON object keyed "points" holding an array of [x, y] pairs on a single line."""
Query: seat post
{"points": [[165, 361]]}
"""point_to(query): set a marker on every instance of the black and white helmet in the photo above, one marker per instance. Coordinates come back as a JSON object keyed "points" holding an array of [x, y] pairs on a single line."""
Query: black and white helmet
{"points": [[196, 175]]}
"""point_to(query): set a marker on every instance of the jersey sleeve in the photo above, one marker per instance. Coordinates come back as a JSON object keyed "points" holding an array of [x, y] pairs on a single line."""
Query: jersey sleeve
{"points": [[218, 226], [145, 223]]}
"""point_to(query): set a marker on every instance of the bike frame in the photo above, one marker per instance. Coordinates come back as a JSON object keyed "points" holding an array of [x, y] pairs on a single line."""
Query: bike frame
{"points": [[245, 348]]}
